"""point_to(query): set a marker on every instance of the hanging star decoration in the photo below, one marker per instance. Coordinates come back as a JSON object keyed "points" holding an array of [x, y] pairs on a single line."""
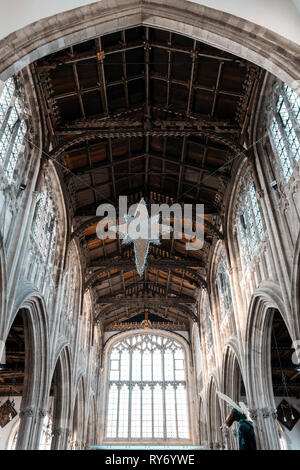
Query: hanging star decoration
{"points": [[141, 230]]}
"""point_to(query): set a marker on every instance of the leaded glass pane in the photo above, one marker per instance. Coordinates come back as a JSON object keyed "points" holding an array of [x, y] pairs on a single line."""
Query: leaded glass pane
{"points": [[224, 289], [283, 130], [5, 98], [147, 397], [250, 226]]}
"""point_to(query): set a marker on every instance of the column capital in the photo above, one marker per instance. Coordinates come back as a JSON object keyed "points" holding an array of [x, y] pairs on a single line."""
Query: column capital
{"points": [[26, 412], [253, 414]]}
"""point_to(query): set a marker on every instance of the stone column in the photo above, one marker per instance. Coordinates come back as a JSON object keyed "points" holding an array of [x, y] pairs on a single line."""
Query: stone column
{"points": [[60, 439], [37, 429], [25, 430], [226, 438], [269, 416], [266, 432]]}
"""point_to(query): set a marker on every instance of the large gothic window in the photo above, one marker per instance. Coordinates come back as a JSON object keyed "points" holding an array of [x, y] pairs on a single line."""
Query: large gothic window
{"points": [[285, 129], [224, 289], [147, 396], [12, 129], [249, 223]]}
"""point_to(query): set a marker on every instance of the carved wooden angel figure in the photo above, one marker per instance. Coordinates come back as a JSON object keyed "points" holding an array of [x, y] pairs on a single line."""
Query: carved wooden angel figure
{"points": [[240, 414]]}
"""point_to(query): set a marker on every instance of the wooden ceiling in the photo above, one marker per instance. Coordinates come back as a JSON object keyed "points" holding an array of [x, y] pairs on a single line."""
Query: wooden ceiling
{"points": [[144, 113], [12, 377]]}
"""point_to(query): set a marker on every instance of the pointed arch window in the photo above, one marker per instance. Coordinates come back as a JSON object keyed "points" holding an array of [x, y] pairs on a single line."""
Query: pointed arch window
{"points": [[147, 398], [224, 289], [249, 224], [284, 130], [12, 129]]}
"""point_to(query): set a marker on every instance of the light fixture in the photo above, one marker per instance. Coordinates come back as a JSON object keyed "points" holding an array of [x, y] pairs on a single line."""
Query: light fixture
{"points": [[149, 232]]}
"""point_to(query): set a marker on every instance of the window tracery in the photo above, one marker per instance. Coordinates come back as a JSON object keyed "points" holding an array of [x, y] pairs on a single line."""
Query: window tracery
{"points": [[45, 227], [12, 129], [249, 220], [284, 129], [224, 289], [147, 396]]}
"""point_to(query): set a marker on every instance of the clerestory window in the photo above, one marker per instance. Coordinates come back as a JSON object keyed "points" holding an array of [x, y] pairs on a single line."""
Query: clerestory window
{"points": [[224, 289], [284, 130], [249, 223], [12, 130]]}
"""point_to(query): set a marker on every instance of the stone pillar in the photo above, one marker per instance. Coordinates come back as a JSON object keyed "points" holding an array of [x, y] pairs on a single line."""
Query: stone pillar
{"points": [[37, 429], [226, 437], [60, 439], [269, 416], [266, 432], [26, 426]]}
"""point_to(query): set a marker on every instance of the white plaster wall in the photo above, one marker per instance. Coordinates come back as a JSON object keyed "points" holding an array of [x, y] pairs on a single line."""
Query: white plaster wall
{"points": [[280, 16], [292, 437]]}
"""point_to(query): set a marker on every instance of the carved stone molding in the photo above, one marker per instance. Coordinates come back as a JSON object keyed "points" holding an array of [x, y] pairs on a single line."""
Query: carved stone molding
{"points": [[43, 413], [57, 432], [266, 412], [27, 412], [253, 414]]}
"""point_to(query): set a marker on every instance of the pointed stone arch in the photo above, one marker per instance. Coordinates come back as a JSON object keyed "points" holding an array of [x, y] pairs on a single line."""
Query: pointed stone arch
{"points": [[226, 31]]}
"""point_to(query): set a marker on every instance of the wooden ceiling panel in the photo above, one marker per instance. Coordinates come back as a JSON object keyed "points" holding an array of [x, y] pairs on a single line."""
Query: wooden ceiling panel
{"points": [[226, 106], [202, 103], [92, 104], [87, 73], [207, 72], [153, 114], [69, 108]]}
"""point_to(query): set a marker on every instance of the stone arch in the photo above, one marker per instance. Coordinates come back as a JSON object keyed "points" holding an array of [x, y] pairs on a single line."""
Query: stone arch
{"points": [[198, 362], [36, 376], [78, 416], [231, 364], [233, 384], [257, 341], [228, 32], [91, 438], [61, 377], [258, 350], [214, 416], [295, 290], [202, 423], [2, 280]]}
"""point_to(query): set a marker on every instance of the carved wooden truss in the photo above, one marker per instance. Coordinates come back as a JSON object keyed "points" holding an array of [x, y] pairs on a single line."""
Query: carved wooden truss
{"points": [[144, 113]]}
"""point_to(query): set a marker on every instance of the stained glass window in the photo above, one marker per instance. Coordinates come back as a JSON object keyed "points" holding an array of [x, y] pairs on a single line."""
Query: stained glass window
{"points": [[147, 396], [285, 130]]}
